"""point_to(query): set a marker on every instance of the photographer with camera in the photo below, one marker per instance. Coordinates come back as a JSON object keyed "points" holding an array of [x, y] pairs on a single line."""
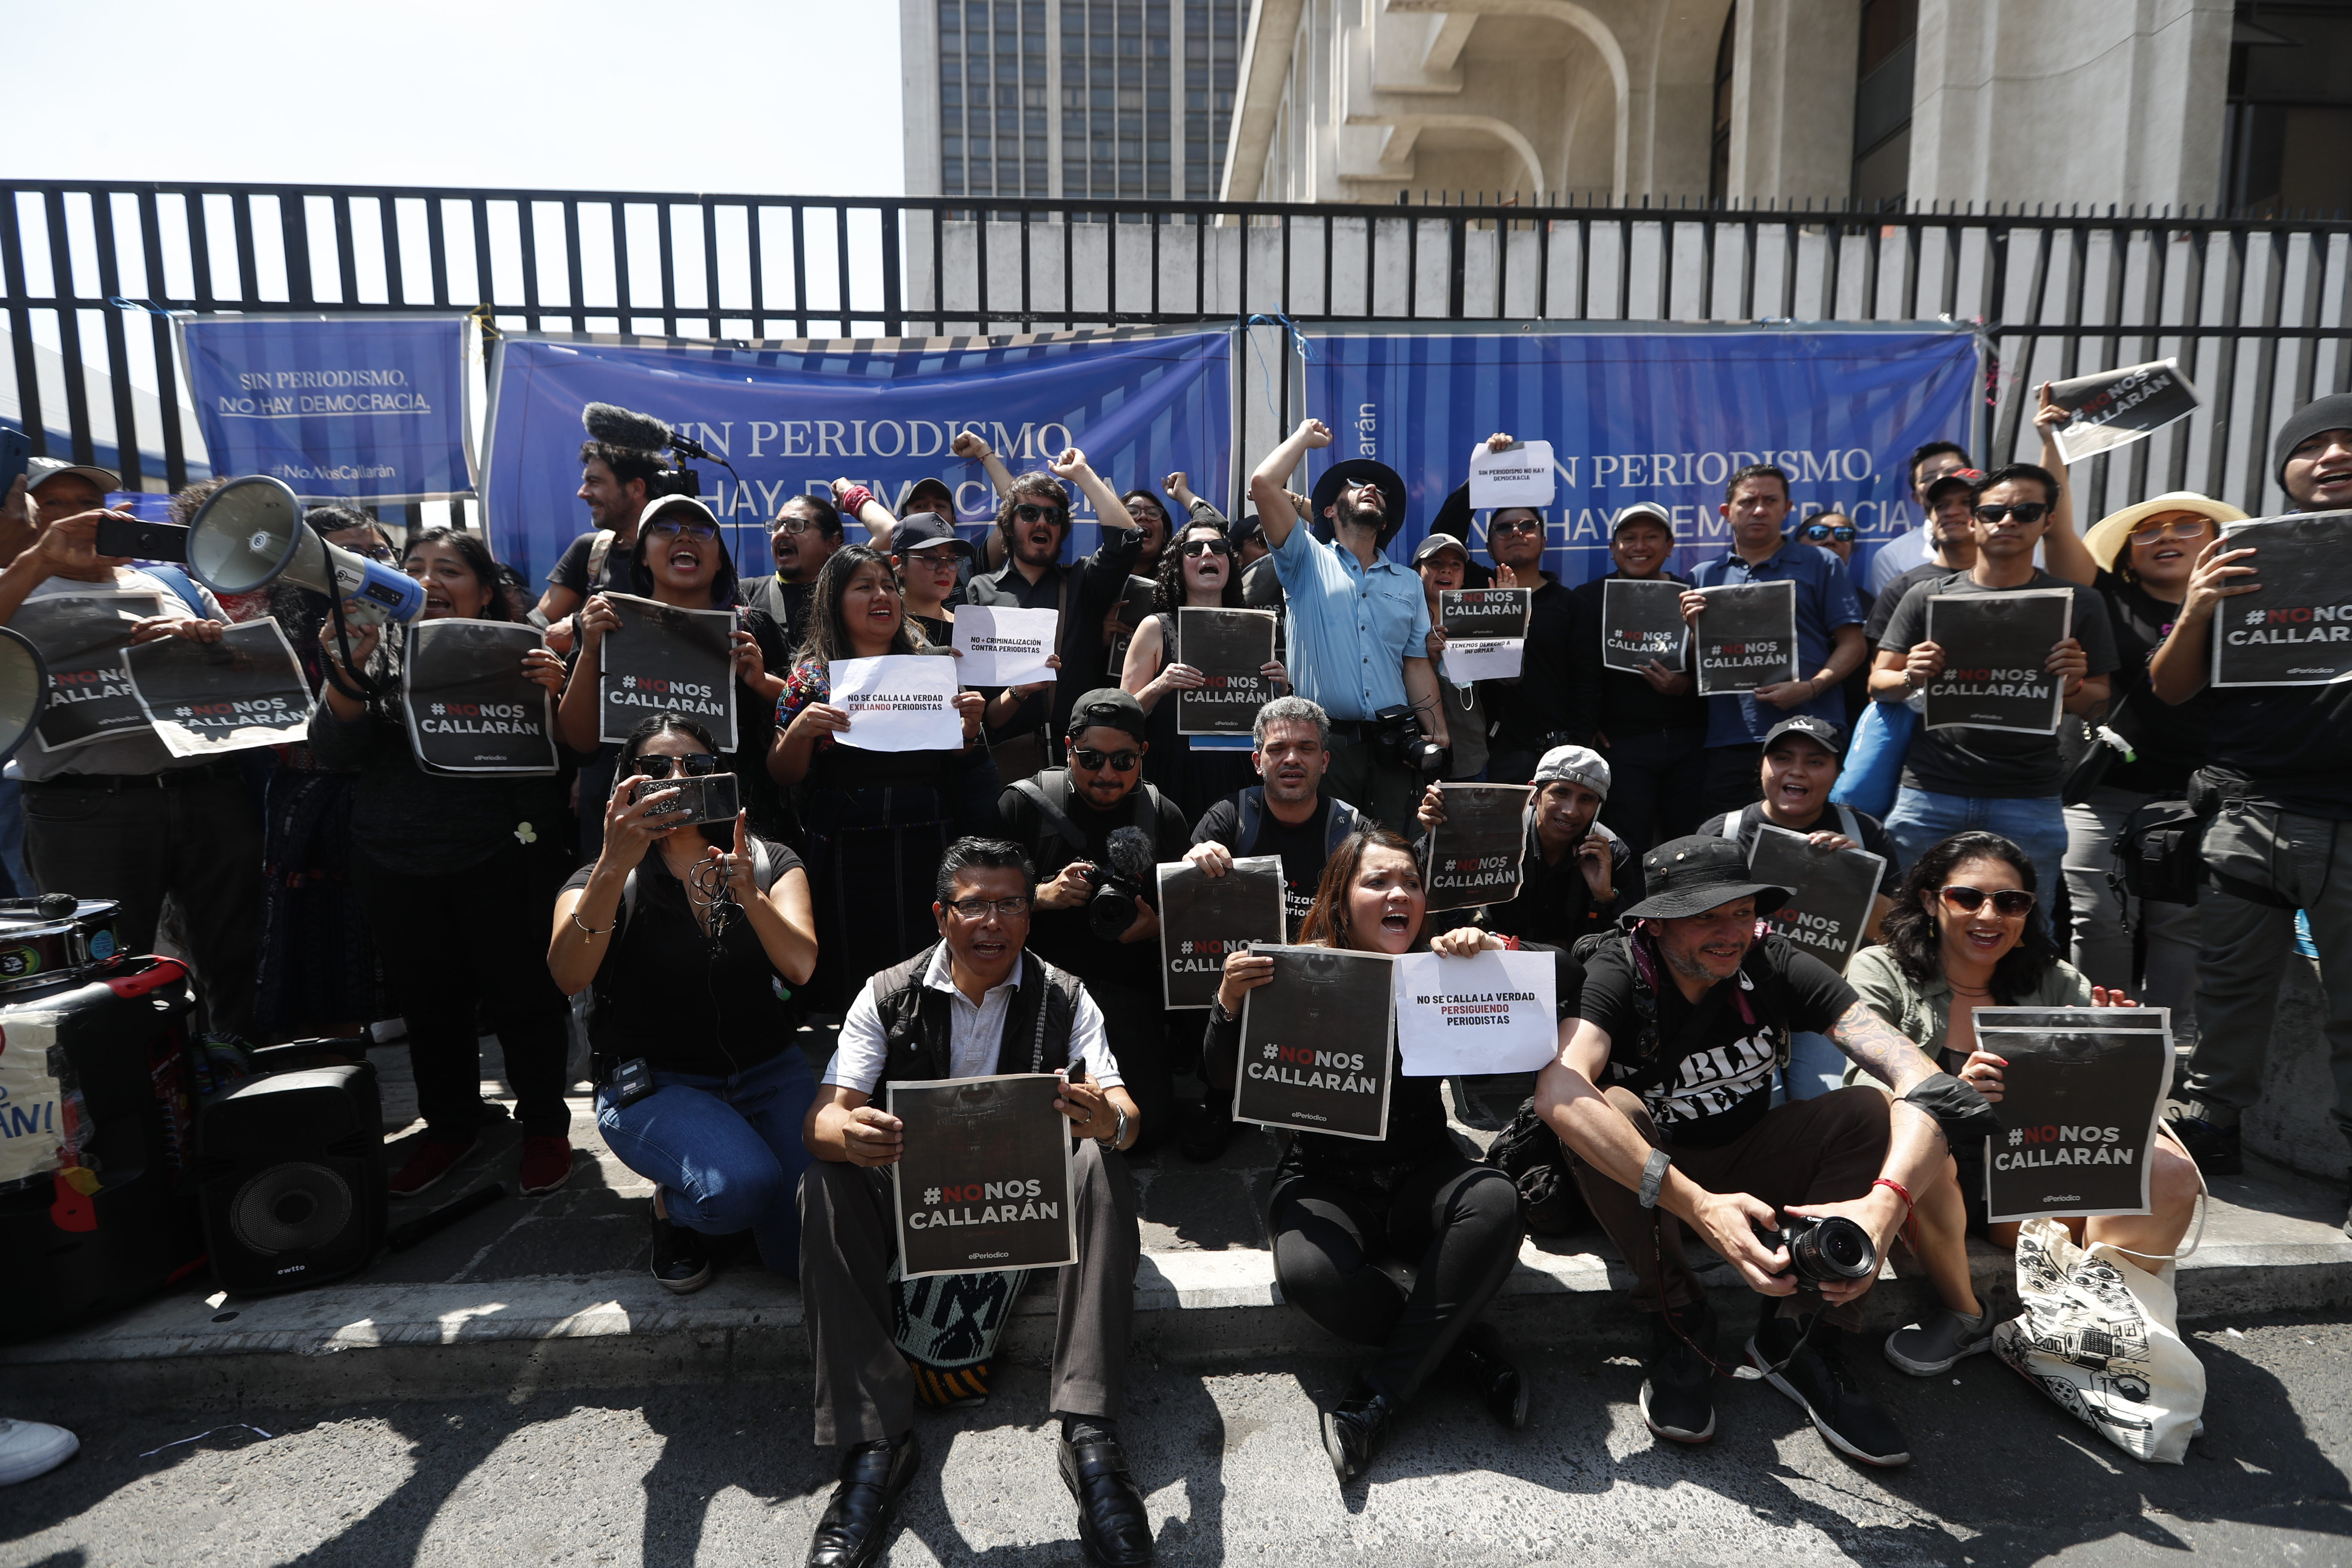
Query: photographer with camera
{"points": [[689, 935], [1096, 832], [1575, 875], [1685, 1013], [1359, 627]]}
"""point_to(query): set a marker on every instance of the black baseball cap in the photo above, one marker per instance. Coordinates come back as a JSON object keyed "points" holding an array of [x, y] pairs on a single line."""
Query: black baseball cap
{"points": [[1108, 707], [921, 489], [1692, 876], [927, 530], [1821, 731], [1961, 478]]}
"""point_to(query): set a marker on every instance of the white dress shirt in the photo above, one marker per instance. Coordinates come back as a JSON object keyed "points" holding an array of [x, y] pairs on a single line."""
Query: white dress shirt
{"points": [[975, 1030]]}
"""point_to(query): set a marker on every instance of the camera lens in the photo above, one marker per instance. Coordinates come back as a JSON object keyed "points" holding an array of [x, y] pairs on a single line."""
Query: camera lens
{"points": [[1828, 1249]]}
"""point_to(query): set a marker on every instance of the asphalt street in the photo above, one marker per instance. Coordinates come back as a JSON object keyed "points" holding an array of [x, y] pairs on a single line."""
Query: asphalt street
{"points": [[1234, 1473]]}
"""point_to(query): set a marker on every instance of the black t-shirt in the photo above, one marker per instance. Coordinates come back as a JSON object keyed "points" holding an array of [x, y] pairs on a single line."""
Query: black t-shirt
{"points": [[1555, 904], [663, 997], [1719, 1084], [1527, 709], [1993, 763], [1301, 847], [1062, 936], [2168, 743], [1883, 608], [1617, 703], [1872, 838], [786, 604], [571, 570]]}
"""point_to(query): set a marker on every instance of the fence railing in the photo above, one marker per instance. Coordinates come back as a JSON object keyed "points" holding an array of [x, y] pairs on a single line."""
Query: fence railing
{"points": [[2256, 311]]}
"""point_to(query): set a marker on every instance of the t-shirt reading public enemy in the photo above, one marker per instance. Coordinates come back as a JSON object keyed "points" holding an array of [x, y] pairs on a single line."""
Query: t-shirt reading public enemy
{"points": [[1720, 1084]]}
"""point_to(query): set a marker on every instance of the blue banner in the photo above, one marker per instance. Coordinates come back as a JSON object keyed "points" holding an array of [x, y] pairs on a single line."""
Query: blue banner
{"points": [[1659, 415], [792, 420], [369, 408]]}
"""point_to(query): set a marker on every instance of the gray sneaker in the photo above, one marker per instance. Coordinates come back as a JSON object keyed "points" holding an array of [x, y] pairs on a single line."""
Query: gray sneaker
{"points": [[1925, 1350]]}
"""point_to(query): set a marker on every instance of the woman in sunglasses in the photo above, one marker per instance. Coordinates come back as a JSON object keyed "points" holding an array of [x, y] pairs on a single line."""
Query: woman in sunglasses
{"points": [[875, 822], [1197, 570], [682, 561], [1964, 934], [692, 937]]}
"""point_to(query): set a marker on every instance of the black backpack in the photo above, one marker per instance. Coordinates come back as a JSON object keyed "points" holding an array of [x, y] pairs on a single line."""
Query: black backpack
{"points": [[1530, 1153]]}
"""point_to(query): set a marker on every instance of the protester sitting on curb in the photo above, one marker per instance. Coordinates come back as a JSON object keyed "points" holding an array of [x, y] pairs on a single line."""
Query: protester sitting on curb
{"points": [[1685, 1016], [692, 938], [1802, 758], [1342, 1205], [1650, 725], [1951, 948], [1575, 875], [969, 1007]]}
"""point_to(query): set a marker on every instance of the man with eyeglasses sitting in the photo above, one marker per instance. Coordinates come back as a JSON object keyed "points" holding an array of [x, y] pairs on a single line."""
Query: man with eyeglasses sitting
{"points": [[973, 1005], [1095, 830], [1967, 776]]}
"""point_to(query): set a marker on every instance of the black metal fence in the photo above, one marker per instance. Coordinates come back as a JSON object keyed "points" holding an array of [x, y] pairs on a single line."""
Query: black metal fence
{"points": [[2255, 311]]}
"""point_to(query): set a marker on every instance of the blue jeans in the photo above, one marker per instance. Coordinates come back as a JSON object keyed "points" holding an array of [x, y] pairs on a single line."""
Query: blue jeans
{"points": [[725, 1150], [1922, 819], [1815, 1066]]}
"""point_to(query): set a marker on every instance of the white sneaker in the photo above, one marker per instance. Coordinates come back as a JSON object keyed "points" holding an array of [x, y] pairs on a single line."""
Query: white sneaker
{"points": [[29, 1448]]}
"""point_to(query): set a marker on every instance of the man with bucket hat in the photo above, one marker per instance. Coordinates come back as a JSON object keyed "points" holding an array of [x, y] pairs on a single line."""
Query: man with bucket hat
{"points": [[1662, 1099]]}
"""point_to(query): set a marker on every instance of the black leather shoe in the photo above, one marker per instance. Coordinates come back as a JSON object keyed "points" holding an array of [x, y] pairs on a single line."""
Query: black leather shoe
{"points": [[681, 1259], [857, 1522], [1355, 1431], [1477, 1360], [1112, 1524]]}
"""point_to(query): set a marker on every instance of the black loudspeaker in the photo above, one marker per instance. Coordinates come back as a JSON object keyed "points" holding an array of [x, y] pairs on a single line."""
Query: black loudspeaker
{"points": [[294, 1189], [100, 1076]]}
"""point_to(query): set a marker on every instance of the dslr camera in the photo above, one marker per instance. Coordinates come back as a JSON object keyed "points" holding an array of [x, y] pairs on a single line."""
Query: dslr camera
{"points": [[1397, 738], [1826, 1251], [1117, 890]]}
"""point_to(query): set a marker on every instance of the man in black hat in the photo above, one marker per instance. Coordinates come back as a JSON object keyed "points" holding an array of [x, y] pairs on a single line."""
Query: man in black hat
{"points": [[1358, 629], [803, 536], [1685, 1013]]}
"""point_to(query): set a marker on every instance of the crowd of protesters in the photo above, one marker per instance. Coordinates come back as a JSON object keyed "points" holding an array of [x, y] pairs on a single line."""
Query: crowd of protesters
{"points": [[940, 907]]}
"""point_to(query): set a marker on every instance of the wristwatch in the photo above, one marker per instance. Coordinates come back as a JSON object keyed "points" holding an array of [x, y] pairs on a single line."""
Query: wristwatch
{"points": [[1119, 1135], [1653, 1174]]}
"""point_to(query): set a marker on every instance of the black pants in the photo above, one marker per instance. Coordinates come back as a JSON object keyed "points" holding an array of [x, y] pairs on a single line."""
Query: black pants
{"points": [[1655, 786], [473, 938], [1734, 778], [1457, 1222], [1137, 1026]]}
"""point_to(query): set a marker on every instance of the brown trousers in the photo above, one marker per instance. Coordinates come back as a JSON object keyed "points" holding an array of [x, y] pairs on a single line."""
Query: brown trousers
{"points": [[1820, 1151]]}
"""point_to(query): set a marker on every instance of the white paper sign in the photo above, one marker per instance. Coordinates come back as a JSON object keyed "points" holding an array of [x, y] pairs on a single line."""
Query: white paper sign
{"points": [[1004, 647], [899, 702], [1491, 1012], [31, 1115], [1484, 658], [1519, 475]]}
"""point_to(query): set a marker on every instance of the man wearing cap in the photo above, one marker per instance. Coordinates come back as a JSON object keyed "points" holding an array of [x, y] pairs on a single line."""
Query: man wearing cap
{"points": [[1650, 724], [1066, 818], [122, 819], [1828, 631], [1441, 562], [1952, 543], [805, 534], [1662, 1099], [1802, 758], [1575, 875], [1917, 547], [2277, 781], [1358, 622]]}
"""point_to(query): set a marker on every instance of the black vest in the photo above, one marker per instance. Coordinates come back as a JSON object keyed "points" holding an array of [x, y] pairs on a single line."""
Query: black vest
{"points": [[914, 1021]]}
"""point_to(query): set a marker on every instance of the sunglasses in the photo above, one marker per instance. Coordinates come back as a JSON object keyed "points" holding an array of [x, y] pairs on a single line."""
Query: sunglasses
{"points": [[2023, 510], [693, 765], [2179, 528], [1028, 514], [1516, 525], [1206, 547], [1094, 761], [1815, 532], [1011, 909], [2010, 903], [685, 528]]}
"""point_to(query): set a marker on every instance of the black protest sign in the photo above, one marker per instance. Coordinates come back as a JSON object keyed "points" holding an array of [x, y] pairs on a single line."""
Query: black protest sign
{"points": [[2149, 1020], [1203, 918], [1746, 637], [661, 660], [470, 709], [983, 1184], [1829, 915], [1641, 620], [2080, 1099], [1995, 646], [2115, 407], [1473, 856], [1474, 612], [245, 690], [2295, 627], [1316, 1042], [81, 638], [1231, 648]]}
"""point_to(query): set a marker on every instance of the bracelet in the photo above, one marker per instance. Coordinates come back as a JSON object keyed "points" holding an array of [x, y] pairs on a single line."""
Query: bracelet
{"points": [[1510, 943], [1654, 1175], [1899, 1190], [591, 931], [855, 498]]}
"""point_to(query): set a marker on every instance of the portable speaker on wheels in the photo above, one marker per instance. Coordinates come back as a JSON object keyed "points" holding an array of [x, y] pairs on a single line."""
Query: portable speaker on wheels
{"points": [[294, 1188]]}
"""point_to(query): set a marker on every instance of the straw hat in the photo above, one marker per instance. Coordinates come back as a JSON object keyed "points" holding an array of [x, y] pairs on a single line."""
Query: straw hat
{"points": [[2111, 535]]}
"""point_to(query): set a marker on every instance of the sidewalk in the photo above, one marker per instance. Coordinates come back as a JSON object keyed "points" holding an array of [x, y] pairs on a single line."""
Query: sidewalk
{"points": [[553, 1292]]}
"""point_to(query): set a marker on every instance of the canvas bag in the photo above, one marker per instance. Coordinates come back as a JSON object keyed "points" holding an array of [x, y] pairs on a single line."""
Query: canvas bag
{"points": [[2098, 1336]]}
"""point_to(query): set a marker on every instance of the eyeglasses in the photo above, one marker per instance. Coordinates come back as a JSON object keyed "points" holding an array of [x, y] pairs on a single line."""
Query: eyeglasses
{"points": [[685, 528], [1516, 525], [378, 552], [1815, 532], [1117, 761], [693, 765], [796, 525], [2023, 510], [1206, 547], [1028, 514], [2178, 527], [2010, 903], [1011, 909]]}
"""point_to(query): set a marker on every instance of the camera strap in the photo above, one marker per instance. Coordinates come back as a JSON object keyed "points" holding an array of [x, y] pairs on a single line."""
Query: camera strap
{"points": [[1057, 814]]}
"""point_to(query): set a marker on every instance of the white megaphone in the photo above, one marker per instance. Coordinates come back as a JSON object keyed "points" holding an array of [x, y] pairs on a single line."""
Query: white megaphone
{"points": [[250, 533], [24, 689]]}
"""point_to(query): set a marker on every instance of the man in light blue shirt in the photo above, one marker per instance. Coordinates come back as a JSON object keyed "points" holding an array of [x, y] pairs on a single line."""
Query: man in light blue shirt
{"points": [[1359, 627], [1828, 633]]}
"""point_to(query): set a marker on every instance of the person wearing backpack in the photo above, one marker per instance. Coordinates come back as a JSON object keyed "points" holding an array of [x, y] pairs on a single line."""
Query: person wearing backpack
{"points": [[692, 939], [1095, 830]]}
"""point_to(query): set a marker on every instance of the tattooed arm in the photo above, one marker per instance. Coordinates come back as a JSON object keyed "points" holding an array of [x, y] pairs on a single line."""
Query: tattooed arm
{"points": [[1881, 1051]]}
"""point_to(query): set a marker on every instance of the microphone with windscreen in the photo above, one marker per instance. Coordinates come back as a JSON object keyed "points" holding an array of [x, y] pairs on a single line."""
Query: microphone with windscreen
{"points": [[1118, 887]]}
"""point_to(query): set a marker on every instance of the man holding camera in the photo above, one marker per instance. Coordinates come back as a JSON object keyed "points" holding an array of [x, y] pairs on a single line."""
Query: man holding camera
{"points": [[972, 1006], [1685, 1013], [1358, 626], [1096, 831]]}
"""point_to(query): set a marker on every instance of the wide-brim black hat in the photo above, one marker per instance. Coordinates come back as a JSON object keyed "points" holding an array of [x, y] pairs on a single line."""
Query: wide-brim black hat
{"points": [[1692, 876], [1356, 471]]}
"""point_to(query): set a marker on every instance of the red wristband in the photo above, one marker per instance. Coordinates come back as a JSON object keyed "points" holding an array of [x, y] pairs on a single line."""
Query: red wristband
{"points": [[1899, 1190], [854, 498], [1510, 944]]}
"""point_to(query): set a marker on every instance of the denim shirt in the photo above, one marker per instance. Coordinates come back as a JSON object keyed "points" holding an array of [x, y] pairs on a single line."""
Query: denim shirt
{"points": [[1350, 627], [1825, 602]]}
